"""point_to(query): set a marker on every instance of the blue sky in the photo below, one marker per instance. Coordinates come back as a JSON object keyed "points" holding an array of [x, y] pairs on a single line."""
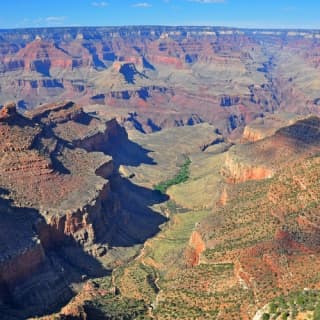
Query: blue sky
{"points": [[241, 13]]}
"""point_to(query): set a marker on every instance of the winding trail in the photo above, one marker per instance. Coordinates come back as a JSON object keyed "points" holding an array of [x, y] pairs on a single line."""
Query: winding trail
{"points": [[140, 258]]}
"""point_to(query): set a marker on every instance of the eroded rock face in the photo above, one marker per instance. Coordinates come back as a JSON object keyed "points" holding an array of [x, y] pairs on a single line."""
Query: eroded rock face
{"points": [[8, 110], [60, 213], [241, 171], [33, 177], [21, 250], [227, 77], [194, 250], [260, 160], [30, 160], [252, 134]]}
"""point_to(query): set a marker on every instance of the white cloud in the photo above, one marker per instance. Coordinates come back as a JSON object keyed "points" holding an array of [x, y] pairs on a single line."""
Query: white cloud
{"points": [[142, 5], [51, 21], [55, 20], [99, 4]]}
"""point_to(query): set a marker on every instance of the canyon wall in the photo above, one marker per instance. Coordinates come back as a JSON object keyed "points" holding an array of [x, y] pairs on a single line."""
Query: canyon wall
{"points": [[166, 75], [58, 200]]}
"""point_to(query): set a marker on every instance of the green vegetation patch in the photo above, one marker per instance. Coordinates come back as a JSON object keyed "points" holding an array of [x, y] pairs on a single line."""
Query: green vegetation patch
{"points": [[182, 176], [290, 306], [115, 307]]}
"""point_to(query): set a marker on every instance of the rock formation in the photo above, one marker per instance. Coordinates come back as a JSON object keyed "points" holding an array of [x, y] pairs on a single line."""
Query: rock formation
{"points": [[227, 77], [194, 250], [58, 202]]}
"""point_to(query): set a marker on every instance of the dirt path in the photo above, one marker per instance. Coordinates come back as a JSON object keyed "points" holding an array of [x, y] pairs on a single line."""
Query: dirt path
{"points": [[140, 258]]}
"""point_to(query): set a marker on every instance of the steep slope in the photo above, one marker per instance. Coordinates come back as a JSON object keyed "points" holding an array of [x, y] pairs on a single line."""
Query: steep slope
{"points": [[263, 229], [61, 199]]}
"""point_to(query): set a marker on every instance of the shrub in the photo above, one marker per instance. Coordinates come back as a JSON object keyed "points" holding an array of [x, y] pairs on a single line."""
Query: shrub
{"points": [[316, 314], [273, 307], [266, 316]]}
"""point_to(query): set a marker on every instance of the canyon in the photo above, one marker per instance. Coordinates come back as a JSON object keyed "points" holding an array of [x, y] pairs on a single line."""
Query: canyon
{"points": [[156, 172], [165, 76], [57, 197]]}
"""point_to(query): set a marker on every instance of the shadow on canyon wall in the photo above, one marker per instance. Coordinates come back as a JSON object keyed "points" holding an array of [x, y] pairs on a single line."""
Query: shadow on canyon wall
{"points": [[36, 274]]}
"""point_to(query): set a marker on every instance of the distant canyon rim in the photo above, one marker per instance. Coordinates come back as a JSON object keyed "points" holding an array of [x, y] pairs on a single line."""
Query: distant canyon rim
{"points": [[158, 77]]}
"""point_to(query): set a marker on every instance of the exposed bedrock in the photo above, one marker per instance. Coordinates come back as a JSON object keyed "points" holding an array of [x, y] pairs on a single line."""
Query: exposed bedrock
{"points": [[195, 247], [73, 218], [240, 170], [227, 77]]}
